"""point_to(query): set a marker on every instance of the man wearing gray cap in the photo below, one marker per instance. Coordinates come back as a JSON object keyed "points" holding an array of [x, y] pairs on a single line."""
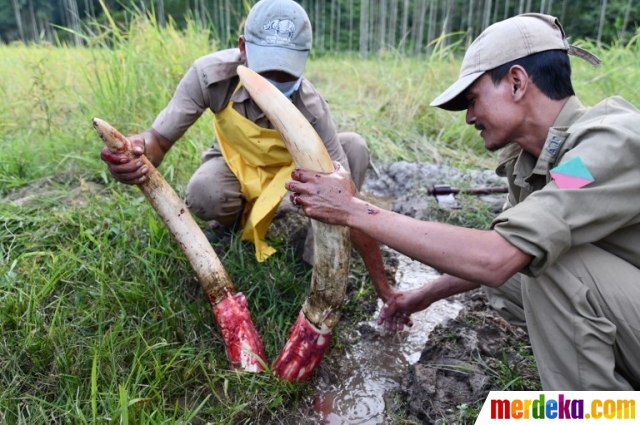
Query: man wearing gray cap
{"points": [[240, 182], [562, 260]]}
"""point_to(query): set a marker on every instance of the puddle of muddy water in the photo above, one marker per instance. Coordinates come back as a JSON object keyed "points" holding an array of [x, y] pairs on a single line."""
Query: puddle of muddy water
{"points": [[374, 365]]}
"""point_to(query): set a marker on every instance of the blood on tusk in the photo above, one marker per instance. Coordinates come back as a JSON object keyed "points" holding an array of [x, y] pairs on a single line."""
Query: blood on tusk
{"points": [[230, 309], [311, 334]]}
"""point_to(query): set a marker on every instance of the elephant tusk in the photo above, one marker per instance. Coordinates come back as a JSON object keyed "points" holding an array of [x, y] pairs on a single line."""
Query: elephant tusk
{"points": [[243, 344], [310, 335]]}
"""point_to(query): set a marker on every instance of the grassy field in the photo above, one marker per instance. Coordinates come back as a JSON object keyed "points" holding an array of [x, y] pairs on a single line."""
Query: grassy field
{"points": [[101, 318]]}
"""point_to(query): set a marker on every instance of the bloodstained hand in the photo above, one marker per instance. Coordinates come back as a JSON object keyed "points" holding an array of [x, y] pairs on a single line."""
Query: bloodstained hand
{"points": [[128, 167], [323, 196]]}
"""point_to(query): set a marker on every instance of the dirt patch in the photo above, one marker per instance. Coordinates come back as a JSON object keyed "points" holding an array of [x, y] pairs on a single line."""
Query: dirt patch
{"points": [[478, 351], [63, 189], [462, 361]]}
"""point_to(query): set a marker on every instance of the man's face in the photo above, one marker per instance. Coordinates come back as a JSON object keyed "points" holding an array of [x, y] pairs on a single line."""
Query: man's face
{"points": [[492, 111]]}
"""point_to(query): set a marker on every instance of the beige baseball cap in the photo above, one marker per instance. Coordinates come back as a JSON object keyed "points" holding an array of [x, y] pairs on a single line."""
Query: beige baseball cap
{"points": [[277, 37], [503, 42]]}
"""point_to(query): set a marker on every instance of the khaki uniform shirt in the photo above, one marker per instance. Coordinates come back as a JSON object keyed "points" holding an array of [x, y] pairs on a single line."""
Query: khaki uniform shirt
{"points": [[546, 221], [211, 82]]}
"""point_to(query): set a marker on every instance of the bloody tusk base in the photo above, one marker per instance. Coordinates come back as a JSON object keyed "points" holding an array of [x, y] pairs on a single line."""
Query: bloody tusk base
{"points": [[303, 351], [243, 344], [241, 340]]}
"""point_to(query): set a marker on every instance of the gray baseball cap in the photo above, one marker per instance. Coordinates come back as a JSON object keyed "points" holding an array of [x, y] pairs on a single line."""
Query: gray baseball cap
{"points": [[278, 37], [503, 42]]}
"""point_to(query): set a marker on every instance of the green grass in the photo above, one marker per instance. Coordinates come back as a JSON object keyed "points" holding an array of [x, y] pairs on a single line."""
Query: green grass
{"points": [[100, 315]]}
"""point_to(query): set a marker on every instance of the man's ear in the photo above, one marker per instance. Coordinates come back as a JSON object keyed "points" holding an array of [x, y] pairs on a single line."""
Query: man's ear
{"points": [[243, 48], [519, 81]]}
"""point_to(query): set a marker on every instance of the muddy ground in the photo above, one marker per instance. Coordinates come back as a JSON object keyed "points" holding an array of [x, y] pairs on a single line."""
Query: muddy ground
{"points": [[478, 351], [462, 359]]}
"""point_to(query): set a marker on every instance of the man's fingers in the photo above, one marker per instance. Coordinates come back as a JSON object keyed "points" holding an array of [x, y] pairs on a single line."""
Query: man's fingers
{"points": [[112, 158], [137, 145], [135, 177], [295, 199], [129, 167], [393, 320], [302, 175], [295, 187], [389, 309]]}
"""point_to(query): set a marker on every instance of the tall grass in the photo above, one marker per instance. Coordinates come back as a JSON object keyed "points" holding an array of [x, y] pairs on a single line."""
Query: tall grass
{"points": [[102, 320], [100, 317]]}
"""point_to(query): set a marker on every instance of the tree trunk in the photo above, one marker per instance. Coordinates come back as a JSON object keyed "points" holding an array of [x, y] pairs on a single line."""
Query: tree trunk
{"points": [[160, 13], [351, 25], [74, 20], [319, 29], [204, 13], [446, 23], [373, 40], [623, 29], [419, 41], [494, 17], [418, 26], [364, 29], [332, 20], [393, 23], [603, 11], [46, 27], [382, 34], [338, 25], [405, 25], [486, 17], [470, 23], [16, 10], [564, 11], [431, 28], [34, 24]]}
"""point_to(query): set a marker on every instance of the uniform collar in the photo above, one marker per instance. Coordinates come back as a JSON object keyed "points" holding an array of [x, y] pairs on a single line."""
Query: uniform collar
{"points": [[240, 95], [570, 113], [527, 166]]}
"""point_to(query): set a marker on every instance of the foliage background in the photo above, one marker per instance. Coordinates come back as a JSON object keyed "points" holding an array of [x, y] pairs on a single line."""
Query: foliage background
{"points": [[364, 26]]}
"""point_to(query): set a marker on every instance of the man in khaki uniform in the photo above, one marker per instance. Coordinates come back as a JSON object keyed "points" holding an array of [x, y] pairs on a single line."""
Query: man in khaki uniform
{"points": [[241, 180], [562, 259]]}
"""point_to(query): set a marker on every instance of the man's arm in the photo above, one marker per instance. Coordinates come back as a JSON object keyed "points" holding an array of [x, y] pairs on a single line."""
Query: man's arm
{"points": [[369, 250], [473, 255]]}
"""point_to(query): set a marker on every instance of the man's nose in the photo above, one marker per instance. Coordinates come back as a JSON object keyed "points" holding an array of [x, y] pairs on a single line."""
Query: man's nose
{"points": [[471, 116]]}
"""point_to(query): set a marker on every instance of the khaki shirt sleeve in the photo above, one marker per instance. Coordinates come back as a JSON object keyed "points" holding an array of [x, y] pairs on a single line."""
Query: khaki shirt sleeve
{"points": [[316, 110], [552, 220], [185, 107]]}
